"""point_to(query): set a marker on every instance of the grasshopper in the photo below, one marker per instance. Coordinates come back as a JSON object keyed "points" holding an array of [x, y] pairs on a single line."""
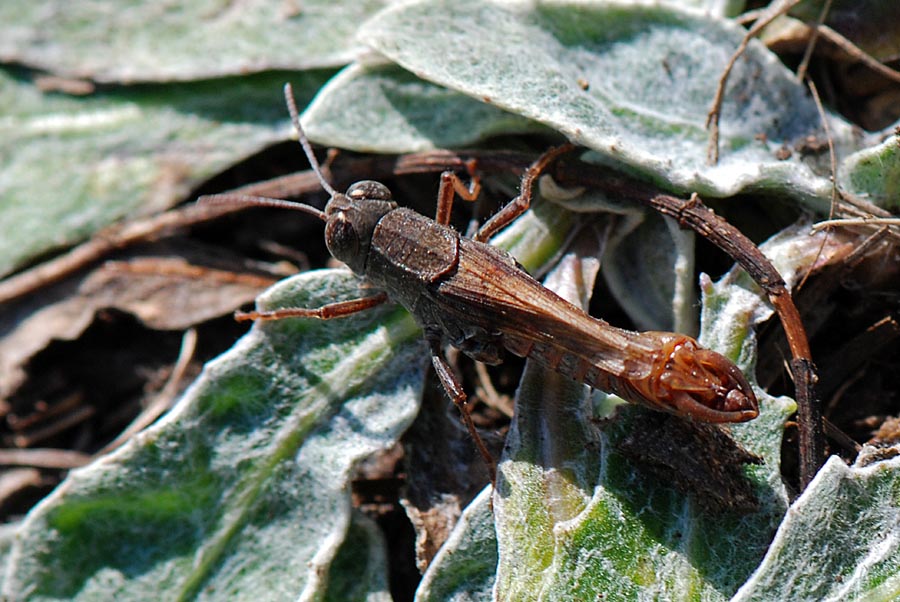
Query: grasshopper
{"points": [[477, 298]]}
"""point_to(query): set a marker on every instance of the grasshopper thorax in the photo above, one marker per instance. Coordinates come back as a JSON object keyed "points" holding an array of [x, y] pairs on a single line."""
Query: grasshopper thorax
{"points": [[351, 221]]}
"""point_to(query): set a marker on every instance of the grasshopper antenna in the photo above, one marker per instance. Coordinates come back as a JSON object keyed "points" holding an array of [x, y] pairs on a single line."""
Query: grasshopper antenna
{"points": [[237, 199], [304, 141]]}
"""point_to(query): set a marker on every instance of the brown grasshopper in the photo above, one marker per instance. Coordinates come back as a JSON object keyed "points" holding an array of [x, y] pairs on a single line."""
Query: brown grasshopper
{"points": [[480, 300]]}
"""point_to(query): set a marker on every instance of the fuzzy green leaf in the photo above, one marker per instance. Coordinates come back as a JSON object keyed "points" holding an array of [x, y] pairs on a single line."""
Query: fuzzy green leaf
{"points": [[874, 174], [632, 81], [841, 538], [359, 571], [464, 568], [73, 165], [379, 107], [242, 492], [145, 42]]}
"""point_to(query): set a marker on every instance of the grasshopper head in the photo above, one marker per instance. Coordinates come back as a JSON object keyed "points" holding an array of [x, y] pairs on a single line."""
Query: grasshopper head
{"points": [[351, 221]]}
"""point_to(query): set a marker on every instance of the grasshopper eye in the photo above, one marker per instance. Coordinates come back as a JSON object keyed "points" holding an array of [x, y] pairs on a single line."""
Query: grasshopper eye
{"points": [[369, 190], [342, 239]]}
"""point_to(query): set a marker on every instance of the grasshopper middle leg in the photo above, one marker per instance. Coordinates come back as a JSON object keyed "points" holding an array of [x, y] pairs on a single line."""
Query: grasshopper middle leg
{"points": [[451, 185], [521, 203], [456, 393]]}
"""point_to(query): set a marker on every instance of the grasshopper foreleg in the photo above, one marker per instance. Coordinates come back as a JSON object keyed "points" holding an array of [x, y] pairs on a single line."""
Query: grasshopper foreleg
{"points": [[326, 312], [456, 393]]}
